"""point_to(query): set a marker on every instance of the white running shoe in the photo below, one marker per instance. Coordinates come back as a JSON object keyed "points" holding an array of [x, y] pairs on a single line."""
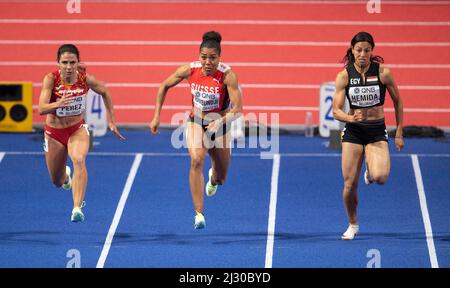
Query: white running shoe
{"points": [[351, 232], [77, 214], [367, 179], [68, 185], [199, 221], [209, 188]]}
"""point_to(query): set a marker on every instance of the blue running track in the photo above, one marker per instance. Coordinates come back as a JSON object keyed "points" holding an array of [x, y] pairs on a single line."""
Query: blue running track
{"points": [[139, 211]]}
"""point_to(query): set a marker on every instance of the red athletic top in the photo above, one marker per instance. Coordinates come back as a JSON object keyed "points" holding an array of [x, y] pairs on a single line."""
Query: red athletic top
{"points": [[78, 91], [209, 94]]}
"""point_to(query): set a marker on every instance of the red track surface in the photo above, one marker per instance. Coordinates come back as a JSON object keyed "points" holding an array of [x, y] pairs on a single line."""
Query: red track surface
{"points": [[425, 27]]}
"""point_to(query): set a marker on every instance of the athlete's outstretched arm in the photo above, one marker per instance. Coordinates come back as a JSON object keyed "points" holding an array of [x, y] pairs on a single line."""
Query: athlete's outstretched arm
{"points": [[339, 98], [179, 75], [388, 79], [235, 95], [100, 88]]}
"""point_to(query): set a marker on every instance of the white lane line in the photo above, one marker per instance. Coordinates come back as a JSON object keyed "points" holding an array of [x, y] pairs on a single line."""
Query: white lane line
{"points": [[223, 22], [423, 87], [119, 210], [424, 209], [230, 43], [421, 110], [271, 86], [277, 108], [270, 108], [181, 107], [272, 210], [264, 86], [233, 64], [185, 154], [275, 2], [2, 154]]}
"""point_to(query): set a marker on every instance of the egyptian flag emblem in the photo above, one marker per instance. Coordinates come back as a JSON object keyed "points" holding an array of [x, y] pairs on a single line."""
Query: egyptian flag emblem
{"points": [[372, 79]]}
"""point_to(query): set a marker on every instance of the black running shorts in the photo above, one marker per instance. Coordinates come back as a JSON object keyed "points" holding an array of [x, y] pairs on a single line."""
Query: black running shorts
{"points": [[365, 132], [204, 123]]}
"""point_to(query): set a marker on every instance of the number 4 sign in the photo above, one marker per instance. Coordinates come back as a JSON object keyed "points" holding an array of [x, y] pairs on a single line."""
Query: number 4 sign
{"points": [[96, 114]]}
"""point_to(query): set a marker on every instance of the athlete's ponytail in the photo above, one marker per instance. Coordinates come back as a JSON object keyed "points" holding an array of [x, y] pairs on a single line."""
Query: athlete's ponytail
{"points": [[211, 39], [348, 58]]}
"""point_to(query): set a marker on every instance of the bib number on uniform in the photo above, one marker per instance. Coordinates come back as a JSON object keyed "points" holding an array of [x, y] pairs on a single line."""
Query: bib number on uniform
{"points": [[76, 107], [365, 96], [206, 101]]}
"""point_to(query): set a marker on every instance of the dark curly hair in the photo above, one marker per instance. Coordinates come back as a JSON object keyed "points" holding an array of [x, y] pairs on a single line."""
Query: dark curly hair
{"points": [[211, 39]]}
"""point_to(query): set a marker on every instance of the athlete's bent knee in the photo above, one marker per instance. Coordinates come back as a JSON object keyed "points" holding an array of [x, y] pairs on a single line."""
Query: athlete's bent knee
{"points": [[380, 179], [350, 186], [79, 161], [197, 162]]}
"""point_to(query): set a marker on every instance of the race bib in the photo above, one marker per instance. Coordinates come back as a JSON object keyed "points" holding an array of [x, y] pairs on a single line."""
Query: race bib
{"points": [[206, 101], [366, 96], [76, 107]]}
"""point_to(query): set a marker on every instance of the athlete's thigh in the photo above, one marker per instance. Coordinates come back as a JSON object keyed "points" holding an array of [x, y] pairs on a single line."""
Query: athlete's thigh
{"points": [[55, 157], [352, 156], [377, 157], [223, 138], [221, 155], [194, 140], [78, 145]]}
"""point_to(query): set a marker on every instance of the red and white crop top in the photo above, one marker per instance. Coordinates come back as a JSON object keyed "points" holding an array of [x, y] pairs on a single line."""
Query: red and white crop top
{"points": [[77, 91], [209, 94]]}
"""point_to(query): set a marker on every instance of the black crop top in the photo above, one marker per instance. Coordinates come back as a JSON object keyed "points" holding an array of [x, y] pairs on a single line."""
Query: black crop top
{"points": [[366, 94]]}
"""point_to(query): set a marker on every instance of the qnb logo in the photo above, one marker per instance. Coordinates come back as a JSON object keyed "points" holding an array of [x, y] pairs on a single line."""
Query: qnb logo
{"points": [[73, 6], [373, 6], [368, 90]]}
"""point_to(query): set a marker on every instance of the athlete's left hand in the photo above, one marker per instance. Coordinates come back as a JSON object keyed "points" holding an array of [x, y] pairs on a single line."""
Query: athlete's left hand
{"points": [[116, 132], [399, 143], [215, 125]]}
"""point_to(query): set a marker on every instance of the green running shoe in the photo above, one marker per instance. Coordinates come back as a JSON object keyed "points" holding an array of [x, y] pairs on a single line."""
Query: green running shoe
{"points": [[209, 188]]}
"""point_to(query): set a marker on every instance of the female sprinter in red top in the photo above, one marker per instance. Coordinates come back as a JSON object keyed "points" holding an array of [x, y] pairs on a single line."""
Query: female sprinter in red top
{"points": [[215, 89], [63, 100]]}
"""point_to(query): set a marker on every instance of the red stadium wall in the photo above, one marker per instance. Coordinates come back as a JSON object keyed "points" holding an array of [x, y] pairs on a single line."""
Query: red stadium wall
{"points": [[281, 57]]}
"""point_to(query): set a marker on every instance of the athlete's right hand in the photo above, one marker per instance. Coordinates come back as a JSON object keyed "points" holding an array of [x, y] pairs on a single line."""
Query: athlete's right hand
{"points": [[358, 116], [154, 126], [82, 67], [64, 100]]}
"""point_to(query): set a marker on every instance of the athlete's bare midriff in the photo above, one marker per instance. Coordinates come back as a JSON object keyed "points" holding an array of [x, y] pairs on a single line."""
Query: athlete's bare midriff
{"points": [[62, 122], [210, 116], [372, 113]]}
